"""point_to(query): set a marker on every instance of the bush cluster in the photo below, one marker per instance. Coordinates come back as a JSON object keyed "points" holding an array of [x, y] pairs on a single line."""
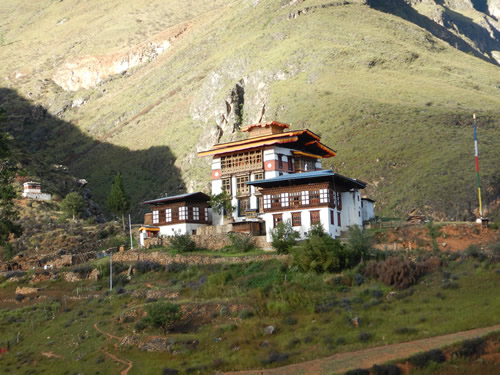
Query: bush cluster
{"points": [[422, 360], [182, 243], [398, 272], [472, 348], [142, 267], [241, 242]]}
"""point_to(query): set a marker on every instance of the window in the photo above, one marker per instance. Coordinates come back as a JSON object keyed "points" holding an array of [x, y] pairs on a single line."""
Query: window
{"points": [[295, 199], [314, 196], [338, 219], [196, 213], [168, 215], [226, 185], [305, 197], [275, 200], [206, 214], [241, 186], [156, 217], [290, 163], [332, 218], [242, 161], [315, 219], [338, 195], [277, 218], [280, 161], [284, 199], [267, 201], [359, 213], [296, 219], [183, 213], [324, 196], [258, 176], [243, 205]]}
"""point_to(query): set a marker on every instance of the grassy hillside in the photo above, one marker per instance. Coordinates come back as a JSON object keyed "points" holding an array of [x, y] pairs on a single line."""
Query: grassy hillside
{"points": [[391, 98]]}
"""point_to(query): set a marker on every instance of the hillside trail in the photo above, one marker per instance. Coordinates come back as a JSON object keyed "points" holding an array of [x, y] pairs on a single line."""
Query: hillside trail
{"points": [[366, 358], [126, 362]]}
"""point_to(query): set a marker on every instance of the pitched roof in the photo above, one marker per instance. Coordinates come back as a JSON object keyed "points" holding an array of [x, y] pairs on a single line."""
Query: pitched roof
{"points": [[265, 125], [198, 196], [310, 177], [304, 139]]}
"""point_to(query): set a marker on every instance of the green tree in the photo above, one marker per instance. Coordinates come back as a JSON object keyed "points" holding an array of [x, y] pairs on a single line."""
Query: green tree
{"points": [[360, 243], [118, 201], [434, 233], [162, 315], [8, 213], [284, 237], [72, 204], [221, 204]]}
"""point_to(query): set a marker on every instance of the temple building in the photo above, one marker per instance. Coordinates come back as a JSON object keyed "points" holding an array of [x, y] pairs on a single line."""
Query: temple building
{"points": [[276, 175]]}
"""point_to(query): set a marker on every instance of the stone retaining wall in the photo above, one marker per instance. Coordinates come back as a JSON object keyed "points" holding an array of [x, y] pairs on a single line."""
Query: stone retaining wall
{"points": [[164, 259]]}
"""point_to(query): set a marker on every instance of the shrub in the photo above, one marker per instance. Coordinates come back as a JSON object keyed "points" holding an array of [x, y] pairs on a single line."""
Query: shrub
{"points": [[182, 243], [276, 357], [385, 370], [471, 348], [162, 315], [450, 285], [364, 336], [397, 272], [320, 253], [358, 371], [284, 237], [404, 330], [83, 270], [140, 326], [340, 341], [19, 297], [241, 242], [246, 314], [290, 320], [359, 243], [147, 266], [422, 360], [176, 267], [169, 371]]}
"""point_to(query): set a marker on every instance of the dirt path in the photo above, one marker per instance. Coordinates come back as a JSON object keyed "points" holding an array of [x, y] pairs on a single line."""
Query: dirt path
{"points": [[126, 362], [339, 363]]}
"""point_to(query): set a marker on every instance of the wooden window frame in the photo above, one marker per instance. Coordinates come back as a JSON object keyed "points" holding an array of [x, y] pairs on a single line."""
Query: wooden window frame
{"points": [[280, 161], [183, 213], [313, 215], [241, 161], [332, 217], [241, 187], [196, 213], [339, 221], [156, 216], [296, 219], [168, 215]]}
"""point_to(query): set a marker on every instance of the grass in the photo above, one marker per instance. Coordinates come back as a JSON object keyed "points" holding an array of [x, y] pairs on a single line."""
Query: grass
{"points": [[226, 309]]}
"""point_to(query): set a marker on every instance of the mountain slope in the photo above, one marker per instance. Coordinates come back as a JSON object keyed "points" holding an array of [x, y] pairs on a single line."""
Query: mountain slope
{"points": [[161, 80]]}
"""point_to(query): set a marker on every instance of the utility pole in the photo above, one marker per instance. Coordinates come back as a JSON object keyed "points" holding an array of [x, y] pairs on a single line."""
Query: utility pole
{"points": [[130, 230], [110, 269]]}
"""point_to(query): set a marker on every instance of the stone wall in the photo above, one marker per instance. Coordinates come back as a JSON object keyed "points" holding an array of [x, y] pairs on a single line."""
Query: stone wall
{"points": [[164, 259]]}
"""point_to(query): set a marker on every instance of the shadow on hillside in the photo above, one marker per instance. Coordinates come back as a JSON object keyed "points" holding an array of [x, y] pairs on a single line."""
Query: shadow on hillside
{"points": [[451, 19], [45, 143]]}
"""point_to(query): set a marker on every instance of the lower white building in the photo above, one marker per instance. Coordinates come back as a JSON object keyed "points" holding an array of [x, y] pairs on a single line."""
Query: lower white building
{"points": [[177, 214], [305, 199]]}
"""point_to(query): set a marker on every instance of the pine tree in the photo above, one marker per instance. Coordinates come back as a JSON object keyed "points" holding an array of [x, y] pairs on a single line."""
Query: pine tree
{"points": [[118, 202]]}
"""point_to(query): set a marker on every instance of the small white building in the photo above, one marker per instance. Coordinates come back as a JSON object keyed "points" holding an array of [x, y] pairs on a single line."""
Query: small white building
{"points": [[305, 199], [33, 190], [176, 214], [367, 209]]}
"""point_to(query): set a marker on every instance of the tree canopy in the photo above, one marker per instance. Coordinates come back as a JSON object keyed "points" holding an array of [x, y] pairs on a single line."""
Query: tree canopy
{"points": [[162, 315], [72, 204]]}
